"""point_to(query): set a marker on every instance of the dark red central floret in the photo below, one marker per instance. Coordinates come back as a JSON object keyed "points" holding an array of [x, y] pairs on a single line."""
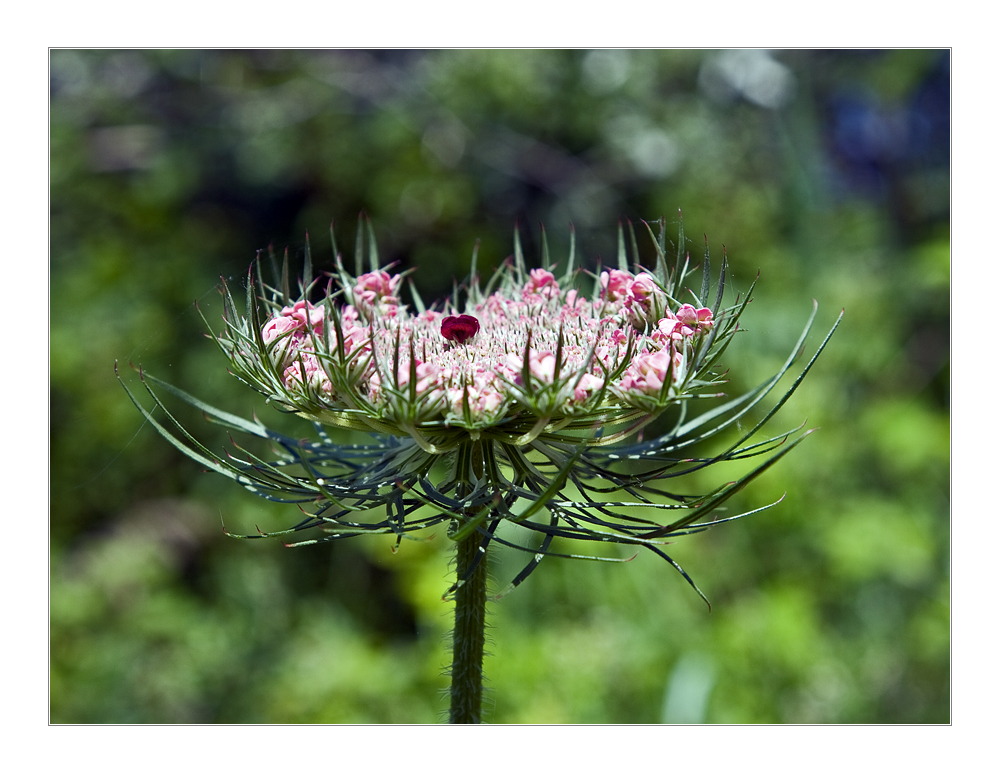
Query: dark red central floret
{"points": [[459, 328]]}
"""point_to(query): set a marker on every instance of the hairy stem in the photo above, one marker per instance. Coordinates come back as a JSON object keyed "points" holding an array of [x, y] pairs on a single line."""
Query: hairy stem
{"points": [[470, 634]]}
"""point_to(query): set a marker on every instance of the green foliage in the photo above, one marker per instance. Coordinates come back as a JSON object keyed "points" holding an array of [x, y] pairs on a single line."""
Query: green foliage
{"points": [[832, 607]]}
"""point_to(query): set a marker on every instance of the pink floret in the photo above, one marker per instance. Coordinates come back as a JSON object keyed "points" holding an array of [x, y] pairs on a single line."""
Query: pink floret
{"points": [[541, 283], [648, 371], [640, 292], [614, 284], [278, 326], [695, 319]]}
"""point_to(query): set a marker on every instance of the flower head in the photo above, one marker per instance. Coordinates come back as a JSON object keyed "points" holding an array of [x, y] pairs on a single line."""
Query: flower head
{"points": [[523, 360]]}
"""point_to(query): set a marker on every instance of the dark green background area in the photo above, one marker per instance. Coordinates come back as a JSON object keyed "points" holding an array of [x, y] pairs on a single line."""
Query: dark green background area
{"points": [[826, 171]]}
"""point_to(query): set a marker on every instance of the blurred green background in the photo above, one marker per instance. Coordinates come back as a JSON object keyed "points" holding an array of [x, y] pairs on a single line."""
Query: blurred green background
{"points": [[827, 171]]}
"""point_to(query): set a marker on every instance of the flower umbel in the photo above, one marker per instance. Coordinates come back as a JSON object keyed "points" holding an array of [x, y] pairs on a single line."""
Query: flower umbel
{"points": [[511, 403]]}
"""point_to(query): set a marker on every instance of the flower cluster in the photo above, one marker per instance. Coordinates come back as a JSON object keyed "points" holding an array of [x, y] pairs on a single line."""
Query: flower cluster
{"points": [[531, 347]]}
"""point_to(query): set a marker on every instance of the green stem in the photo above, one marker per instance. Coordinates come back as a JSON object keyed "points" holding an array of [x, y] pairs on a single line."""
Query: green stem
{"points": [[470, 634]]}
